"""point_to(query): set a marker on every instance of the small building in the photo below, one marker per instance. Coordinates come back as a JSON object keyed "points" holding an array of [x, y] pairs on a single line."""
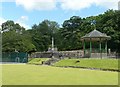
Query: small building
{"points": [[97, 43]]}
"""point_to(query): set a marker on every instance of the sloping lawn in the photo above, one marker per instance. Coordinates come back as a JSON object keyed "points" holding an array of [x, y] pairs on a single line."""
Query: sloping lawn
{"points": [[37, 61], [26, 74], [90, 63]]}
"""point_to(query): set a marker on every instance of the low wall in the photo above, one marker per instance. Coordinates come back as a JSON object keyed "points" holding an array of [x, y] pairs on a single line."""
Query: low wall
{"points": [[58, 54], [98, 55], [70, 54]]}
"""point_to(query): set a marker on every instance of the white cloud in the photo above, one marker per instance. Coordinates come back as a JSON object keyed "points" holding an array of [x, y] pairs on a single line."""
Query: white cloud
{"points": [[81, 4], [64, 4], [37, 4], [23, 25], [20, 21], [111, 4], [23, 19], [2, 20], [75, 5]]}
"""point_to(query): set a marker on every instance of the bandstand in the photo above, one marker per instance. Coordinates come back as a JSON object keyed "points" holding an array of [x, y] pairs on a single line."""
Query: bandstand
{"points": [[95, 44]]}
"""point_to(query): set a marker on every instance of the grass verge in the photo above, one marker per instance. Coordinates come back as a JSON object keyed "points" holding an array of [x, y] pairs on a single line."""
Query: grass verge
{"points": [[37, 61], [90, 63]]}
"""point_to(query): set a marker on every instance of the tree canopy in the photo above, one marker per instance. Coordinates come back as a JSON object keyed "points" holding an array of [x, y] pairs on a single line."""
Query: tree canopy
{"points": [[14, 37], [67, 37]]}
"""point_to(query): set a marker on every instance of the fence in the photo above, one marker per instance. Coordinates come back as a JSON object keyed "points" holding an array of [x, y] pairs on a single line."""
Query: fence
{"points": [[19, 57]]}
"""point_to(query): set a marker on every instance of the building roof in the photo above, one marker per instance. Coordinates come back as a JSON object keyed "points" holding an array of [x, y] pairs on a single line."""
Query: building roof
{"points": [[95, 35]]}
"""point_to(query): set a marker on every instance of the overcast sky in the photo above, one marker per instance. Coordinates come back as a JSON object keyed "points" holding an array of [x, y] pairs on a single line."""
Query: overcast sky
{"points": [[29, 12]]}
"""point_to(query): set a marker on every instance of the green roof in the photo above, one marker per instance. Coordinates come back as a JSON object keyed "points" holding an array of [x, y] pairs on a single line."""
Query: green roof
{"points": [[95, 34]]}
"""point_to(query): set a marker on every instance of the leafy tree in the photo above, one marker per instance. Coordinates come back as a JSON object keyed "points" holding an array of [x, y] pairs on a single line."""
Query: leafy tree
{"points": [[66, 38], [14, 38], [71, 33], [11, 26], [109, 23], [43, 33]]}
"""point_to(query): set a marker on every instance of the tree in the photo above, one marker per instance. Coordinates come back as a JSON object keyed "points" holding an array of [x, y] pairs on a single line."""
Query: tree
{"points": [[109, 23], [14, 38], [11, 26], [66, 38], [71, 33], [43, 33]]}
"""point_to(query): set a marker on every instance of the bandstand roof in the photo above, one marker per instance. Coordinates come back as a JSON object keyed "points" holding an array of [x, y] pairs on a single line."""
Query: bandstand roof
{"points": [[95, 35]]}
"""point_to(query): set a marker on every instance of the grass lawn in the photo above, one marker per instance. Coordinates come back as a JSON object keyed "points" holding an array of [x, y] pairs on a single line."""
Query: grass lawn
{"points": [[25, 74], [37, 61], [91, 63], [0, 76]]}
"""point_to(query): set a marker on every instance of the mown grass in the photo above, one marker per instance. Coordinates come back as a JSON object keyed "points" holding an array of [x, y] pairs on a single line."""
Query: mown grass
{"points": [[90, 63], [26, 74], [37, 61], [0, 76]]}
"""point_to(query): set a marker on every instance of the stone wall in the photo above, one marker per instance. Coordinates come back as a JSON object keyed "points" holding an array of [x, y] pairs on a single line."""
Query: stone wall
{"points": [[58, 54], [98, 55]]}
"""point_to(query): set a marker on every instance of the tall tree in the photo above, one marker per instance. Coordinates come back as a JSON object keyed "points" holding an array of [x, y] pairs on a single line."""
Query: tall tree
{"points": [[14, 38], [43, 33], [11, 26], [109, 23], [71, 33]]}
